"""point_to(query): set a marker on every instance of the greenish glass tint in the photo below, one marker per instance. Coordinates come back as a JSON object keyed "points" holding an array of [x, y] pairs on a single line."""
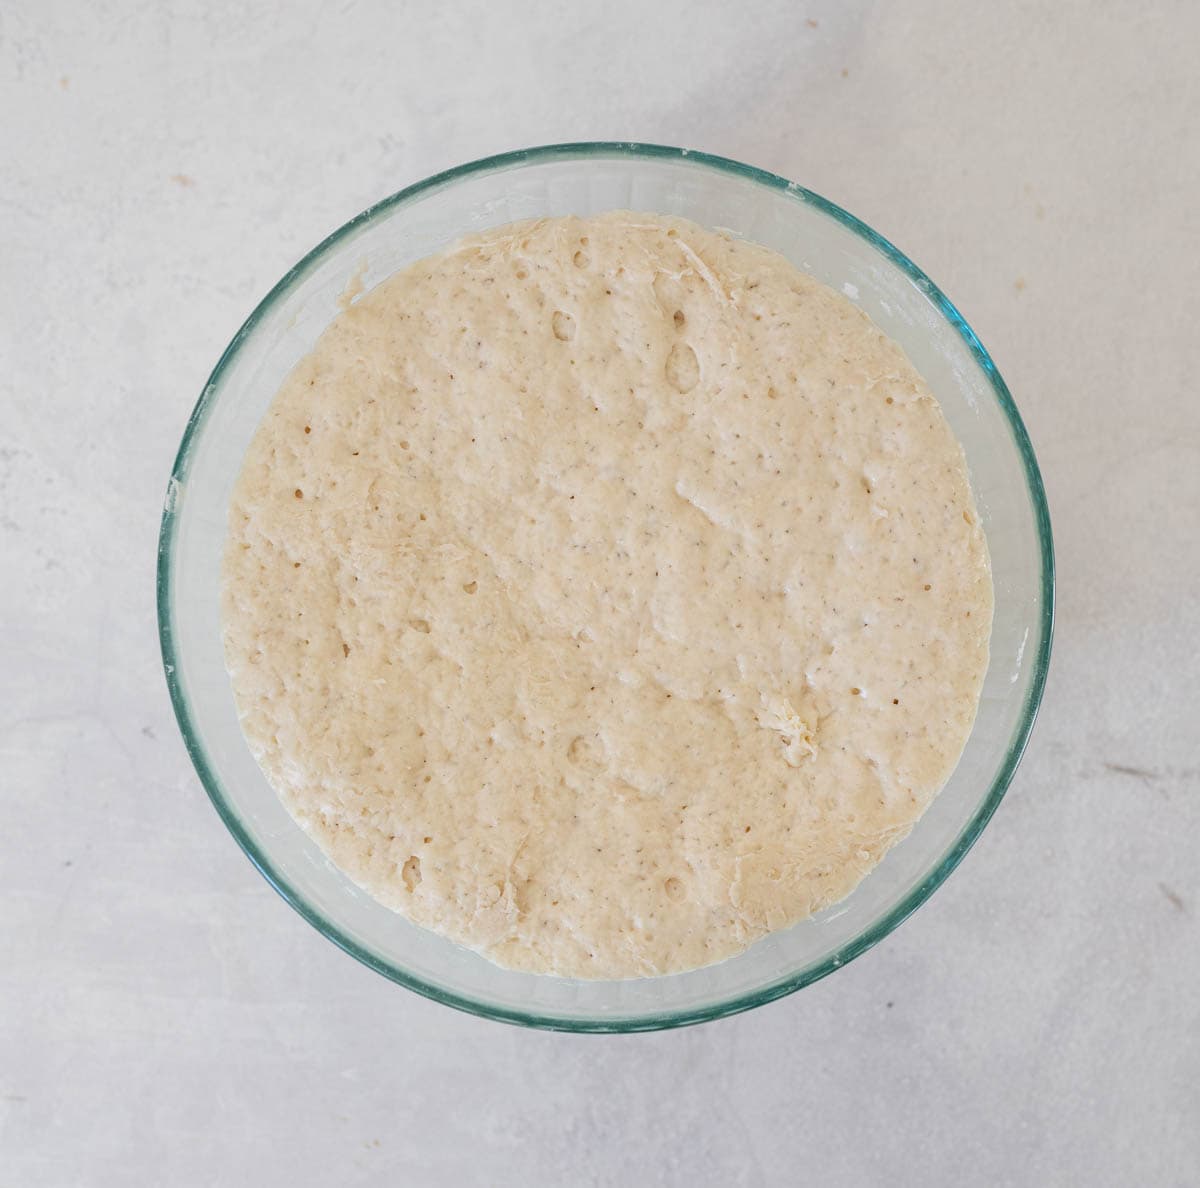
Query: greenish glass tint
{"points": [[1014, 514]]}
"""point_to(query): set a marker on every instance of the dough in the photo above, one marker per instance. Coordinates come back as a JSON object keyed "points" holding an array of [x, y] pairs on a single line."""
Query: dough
{"points": [[604, 594]]}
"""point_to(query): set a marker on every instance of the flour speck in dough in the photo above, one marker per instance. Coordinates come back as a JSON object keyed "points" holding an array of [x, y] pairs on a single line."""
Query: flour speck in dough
{"points": [[604, 594]]}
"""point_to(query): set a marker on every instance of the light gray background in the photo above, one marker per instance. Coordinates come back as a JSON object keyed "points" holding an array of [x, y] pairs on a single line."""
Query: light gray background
{"points": [[166, 1019]]}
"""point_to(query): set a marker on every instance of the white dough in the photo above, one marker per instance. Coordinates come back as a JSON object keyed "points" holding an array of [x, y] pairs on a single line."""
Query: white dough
{"points": [[604, 594]]}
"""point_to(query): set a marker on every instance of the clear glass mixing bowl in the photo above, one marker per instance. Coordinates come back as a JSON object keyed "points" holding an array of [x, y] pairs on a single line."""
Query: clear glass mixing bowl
{"points": [[585, 179]]}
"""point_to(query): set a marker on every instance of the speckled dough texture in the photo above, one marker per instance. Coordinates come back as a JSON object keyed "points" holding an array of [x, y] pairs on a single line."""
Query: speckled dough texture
{"points": [[605, 594]]}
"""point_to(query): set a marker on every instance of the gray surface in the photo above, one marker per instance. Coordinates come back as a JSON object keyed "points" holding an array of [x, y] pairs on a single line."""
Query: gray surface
{"points": [[164, 1018]]}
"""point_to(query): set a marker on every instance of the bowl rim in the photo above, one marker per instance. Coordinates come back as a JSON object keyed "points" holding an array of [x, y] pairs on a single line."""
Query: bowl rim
{"points": [[876, 931]]}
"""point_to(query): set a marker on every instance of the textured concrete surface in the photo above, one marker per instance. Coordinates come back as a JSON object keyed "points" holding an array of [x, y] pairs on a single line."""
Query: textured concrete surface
{"points": [[166, 1019]]}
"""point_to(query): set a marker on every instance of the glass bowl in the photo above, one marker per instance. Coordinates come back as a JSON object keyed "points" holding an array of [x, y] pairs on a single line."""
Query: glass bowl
{"points": [[584, 179]]}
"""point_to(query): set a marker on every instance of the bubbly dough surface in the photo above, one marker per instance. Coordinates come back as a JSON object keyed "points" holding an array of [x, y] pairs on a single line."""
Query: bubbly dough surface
{"points": [[604, 594]]}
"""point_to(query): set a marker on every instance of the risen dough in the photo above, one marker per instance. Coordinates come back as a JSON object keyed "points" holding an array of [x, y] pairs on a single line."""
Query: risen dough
{"points": [[604, 594]]}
